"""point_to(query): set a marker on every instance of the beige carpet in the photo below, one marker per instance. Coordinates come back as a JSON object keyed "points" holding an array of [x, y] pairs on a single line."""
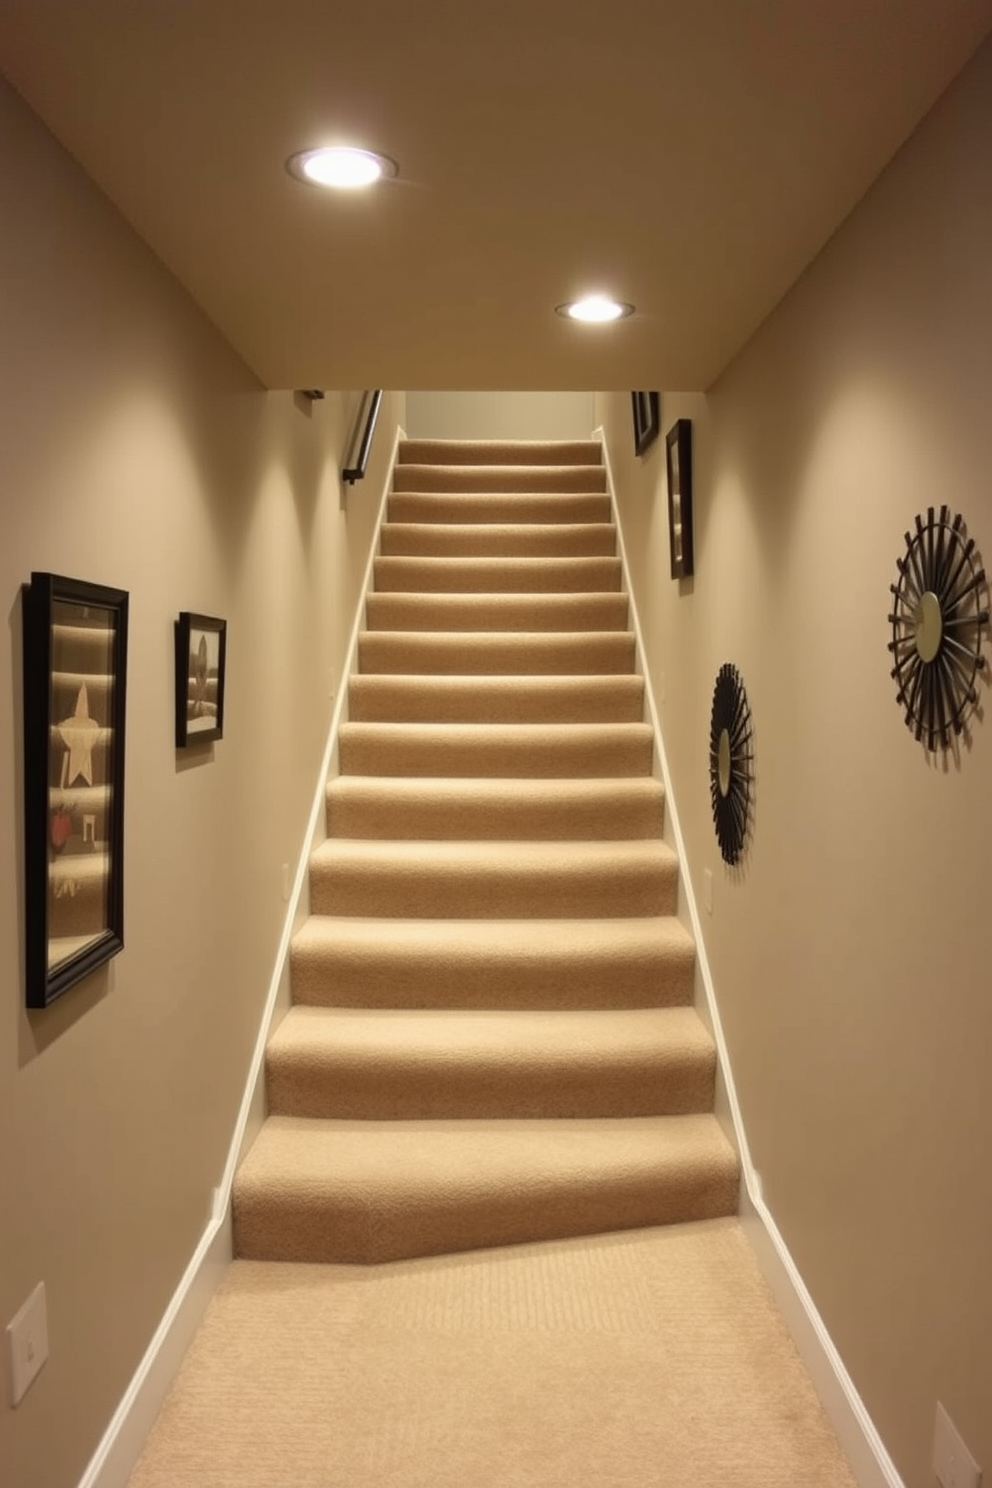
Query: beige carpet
{"points": [[652, 1359], [492, 1040], [492, 1044]]}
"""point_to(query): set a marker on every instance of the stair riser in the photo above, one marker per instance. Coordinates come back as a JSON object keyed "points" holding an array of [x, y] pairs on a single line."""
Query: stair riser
{"points": [[346, 1231], [497, 576], [436, 891], [499, 452], [385, 976], [435, 821], [373, 699], [500, 540], [496, 655], [401, 751], [502, 507], [338, 1090], [509, 612], [528, 479]]}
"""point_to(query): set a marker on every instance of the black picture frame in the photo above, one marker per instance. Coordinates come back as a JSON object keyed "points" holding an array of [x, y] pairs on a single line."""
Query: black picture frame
{"points": [[75, 687], [678, 459], [647, 419], [201, 664]]}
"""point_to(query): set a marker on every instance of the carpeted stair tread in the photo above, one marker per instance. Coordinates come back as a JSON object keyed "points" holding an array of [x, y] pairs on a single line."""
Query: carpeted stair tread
{"points": [[486, 699], [501, 612], [492, 963], [526, 575], [430, 809], [455, 653], [344, 1191], [539, 750], [500, 452], [498, 539], [559, 479], [482, 880], [514, 507], [492, 1039], [437, 1065]]}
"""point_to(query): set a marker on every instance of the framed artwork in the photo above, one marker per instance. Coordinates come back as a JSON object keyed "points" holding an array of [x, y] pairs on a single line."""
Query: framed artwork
{"points": [[647, 419], [678, 442], [75, 663], [201, 648]]}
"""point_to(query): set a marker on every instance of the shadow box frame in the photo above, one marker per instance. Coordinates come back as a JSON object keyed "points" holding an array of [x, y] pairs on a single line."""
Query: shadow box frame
{"points": [[646, 409], [58, 753], [190, 730], [678, 464]]}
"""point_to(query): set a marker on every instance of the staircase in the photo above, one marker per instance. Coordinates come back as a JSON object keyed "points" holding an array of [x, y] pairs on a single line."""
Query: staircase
{"points": [[492, 1039]]}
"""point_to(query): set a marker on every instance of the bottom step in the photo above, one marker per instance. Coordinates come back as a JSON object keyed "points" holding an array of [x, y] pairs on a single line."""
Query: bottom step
{"points": [[343, 1191]]}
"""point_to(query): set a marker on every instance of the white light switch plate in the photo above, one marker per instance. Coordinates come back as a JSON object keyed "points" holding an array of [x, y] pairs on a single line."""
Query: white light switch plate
{"points": [[953, 1464], [27, 1343]]}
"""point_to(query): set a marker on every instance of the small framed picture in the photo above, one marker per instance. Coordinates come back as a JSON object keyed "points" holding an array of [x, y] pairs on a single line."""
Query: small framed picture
{"points": [[646, 408], [201, 647], [75, 661], [678, 450]]}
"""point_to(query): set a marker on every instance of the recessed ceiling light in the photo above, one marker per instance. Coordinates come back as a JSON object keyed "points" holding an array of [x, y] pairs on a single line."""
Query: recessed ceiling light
{"points": [[341, 167], [596, 309]]}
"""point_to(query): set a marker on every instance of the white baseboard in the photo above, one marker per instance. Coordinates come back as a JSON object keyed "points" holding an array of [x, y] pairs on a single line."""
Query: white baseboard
{"points": [[865, 1451], [114, 1459], [112, 1462], [860, 1441]]}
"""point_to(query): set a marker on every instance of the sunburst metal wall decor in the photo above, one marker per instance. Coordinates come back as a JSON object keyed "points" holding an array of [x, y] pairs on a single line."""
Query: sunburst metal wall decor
{"points": [[731, 761], [938, 620]]}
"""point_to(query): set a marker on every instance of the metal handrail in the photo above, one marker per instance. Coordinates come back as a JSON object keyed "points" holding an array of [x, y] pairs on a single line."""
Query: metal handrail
{"points": [[356, 472]]}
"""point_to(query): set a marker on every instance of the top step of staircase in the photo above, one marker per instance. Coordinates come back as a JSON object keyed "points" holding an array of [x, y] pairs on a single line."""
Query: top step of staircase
{"points": [[500, 452]]}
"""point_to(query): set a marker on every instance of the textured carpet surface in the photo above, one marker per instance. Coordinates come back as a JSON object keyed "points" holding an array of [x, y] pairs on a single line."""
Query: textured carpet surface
{"points": [[491, 1040], [652, 1359], [499, 452], [375, 1191], [492, 1044], [512, 475], [495, 653], [378, 699], [535, 810], [383, 1064], [503, 963]]}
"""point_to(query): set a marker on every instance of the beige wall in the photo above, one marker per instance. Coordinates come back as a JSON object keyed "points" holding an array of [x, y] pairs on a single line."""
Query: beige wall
{"points": [[852, 953], [137, 451], [512, 415]]}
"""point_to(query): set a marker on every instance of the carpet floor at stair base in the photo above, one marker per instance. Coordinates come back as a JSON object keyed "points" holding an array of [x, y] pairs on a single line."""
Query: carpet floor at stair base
{"points": [[652, 1359]]}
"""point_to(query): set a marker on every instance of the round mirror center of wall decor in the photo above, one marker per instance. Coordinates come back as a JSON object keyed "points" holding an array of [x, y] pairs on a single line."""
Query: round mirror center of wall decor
{"points": [[723, 762], [929, 626]]}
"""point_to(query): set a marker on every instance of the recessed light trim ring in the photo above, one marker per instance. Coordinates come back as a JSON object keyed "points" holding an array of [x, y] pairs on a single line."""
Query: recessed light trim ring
{"points": [[595, 309], [341, 167]]}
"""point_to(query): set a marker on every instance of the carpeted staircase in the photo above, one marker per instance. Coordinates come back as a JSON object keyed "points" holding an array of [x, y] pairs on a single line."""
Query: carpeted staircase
{"points": [[492, 1039]]}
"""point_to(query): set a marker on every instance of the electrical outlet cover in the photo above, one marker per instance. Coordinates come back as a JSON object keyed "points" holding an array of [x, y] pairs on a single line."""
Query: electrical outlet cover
{"points": [[953, 1464], [27, 1343]]}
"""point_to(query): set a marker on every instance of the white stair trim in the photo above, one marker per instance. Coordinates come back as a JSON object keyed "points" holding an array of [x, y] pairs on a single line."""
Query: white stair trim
{"points": [[856, 1432], [122, 1442]]}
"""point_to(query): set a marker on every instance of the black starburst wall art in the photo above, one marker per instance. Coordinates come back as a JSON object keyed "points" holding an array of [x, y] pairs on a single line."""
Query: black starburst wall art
{"points": [[938, 620], [731, 762]]}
